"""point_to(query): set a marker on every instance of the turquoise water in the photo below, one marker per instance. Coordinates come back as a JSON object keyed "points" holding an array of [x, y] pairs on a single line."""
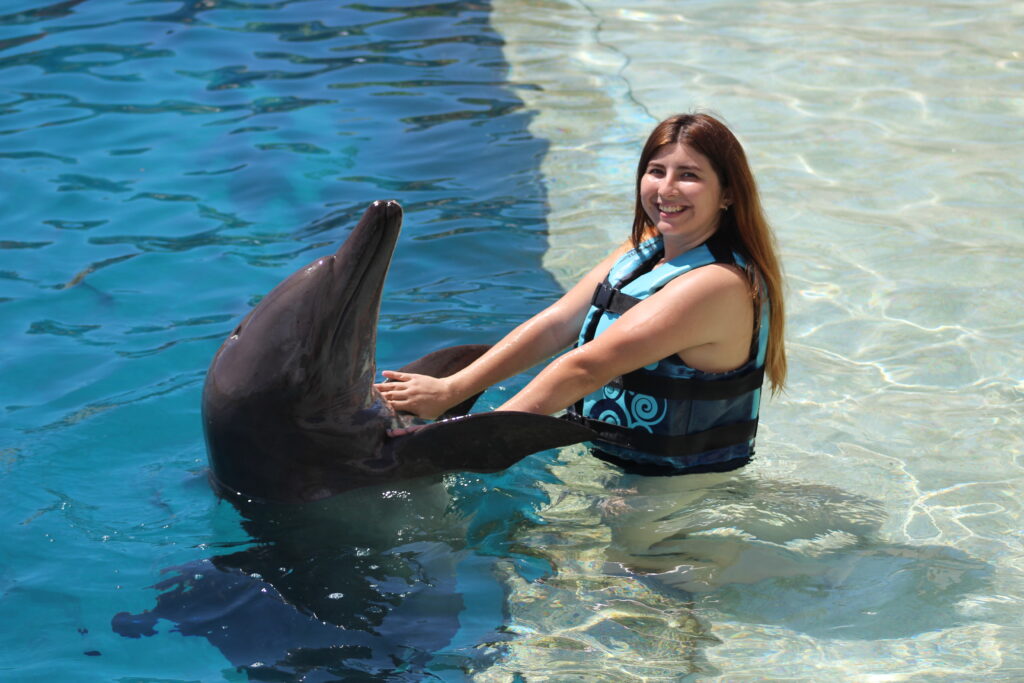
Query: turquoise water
{"points": [[164, 164]]}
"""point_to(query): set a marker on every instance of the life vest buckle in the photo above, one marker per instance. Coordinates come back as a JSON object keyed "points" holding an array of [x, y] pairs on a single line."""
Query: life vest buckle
{"points": [[603, 295]]}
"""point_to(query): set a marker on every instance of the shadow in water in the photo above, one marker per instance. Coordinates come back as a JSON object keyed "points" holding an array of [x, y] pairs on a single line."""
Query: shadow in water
{"points": [[643, 568], [358, 587], [802, 556]]}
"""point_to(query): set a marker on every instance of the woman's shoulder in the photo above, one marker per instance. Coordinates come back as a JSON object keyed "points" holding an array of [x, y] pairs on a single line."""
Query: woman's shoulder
{"points": [[714, 283]]}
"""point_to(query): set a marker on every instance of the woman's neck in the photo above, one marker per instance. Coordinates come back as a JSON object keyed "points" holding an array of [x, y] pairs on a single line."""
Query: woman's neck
{"points": [[676, 245]]}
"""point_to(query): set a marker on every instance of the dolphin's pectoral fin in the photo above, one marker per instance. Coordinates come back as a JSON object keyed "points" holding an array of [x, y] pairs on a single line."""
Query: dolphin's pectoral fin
{"points": [[446, 362], [485, 442]]}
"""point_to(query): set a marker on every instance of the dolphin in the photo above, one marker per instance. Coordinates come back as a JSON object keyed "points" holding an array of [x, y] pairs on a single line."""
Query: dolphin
{"points": [[290, 412]]}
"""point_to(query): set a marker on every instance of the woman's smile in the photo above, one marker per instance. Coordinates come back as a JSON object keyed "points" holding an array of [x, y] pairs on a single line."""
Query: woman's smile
{"points": [[670, 208]]}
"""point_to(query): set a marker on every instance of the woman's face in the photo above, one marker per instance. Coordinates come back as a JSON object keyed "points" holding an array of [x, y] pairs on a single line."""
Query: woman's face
{"points": [[681, 194]]}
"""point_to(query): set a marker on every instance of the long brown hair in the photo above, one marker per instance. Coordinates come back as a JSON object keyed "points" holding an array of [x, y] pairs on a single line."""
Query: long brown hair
{"points": [[742, 226]]}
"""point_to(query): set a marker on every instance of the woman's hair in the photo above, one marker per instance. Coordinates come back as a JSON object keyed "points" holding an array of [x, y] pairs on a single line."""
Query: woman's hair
{"points": [[742, 225]]}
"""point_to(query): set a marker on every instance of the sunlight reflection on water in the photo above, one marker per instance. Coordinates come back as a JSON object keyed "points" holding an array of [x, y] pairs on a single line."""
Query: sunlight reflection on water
{"points": [[885, 143]]}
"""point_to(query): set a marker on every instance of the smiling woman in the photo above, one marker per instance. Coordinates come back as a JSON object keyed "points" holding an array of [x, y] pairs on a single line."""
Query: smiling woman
{"points": [[675, 329]]}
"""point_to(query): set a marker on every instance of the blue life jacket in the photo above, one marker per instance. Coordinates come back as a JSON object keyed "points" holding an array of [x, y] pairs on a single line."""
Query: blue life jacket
{"points": [[668, 417]]}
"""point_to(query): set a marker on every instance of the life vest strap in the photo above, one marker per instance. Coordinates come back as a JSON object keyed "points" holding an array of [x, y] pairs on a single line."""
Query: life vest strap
{"points": [[608, 298], [680, 445], [681, 389]]}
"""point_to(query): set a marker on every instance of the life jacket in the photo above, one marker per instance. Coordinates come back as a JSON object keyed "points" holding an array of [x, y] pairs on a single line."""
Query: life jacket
{"points": [[667, 416]]}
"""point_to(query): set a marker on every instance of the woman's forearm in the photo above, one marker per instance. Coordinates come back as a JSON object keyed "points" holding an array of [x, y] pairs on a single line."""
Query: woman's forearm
{"points": [[559, 385], [539, 338], [527, 345], [534, 341]]}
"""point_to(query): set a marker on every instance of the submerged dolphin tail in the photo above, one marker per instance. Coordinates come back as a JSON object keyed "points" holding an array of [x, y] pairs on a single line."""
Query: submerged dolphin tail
{"points": [[486, 442]]}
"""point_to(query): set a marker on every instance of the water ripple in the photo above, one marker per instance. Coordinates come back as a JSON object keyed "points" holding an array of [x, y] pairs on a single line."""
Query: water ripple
{"points": [[885, 142], [47, 13]]}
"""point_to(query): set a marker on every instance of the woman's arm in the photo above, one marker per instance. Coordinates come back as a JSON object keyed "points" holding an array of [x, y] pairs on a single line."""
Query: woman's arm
{"points": [[537, 339], [706, 316]]}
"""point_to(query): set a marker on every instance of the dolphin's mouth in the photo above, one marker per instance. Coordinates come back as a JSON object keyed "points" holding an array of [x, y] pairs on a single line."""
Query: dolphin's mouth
{"points": [[362, 261], [359, 268]]}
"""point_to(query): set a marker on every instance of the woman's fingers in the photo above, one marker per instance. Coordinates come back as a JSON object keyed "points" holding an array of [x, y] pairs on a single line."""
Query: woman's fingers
{"points": [[393, 396], [396, 390], [394, 383], [421, 395]]}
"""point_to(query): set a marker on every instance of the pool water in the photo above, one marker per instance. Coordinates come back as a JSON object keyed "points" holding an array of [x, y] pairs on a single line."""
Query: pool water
{"points": [[164, 164]]}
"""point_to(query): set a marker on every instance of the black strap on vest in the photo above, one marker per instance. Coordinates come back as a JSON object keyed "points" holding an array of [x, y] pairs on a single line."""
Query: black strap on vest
{"points": [[680, 445], [719, 248], [667, 469], [679, 389], [608, 298]]}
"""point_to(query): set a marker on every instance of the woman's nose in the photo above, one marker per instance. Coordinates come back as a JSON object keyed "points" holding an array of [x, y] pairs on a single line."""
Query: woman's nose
{"points": [[668, 188]]}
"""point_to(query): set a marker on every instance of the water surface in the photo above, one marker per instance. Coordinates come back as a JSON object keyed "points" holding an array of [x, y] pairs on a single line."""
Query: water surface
{"points": [[164, 164], [878, 531]]}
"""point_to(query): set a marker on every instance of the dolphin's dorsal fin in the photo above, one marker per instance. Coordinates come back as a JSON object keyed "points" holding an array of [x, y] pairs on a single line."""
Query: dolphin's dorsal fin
{"points": [[446, 362], [486, 442]]}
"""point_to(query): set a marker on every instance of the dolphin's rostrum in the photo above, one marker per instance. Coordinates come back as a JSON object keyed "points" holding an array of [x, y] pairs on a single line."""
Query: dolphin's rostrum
{"points": [[289, 408]]}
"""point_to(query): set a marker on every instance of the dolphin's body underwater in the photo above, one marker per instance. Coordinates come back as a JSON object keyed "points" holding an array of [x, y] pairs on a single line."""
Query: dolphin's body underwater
{"points": [[289, 407]]}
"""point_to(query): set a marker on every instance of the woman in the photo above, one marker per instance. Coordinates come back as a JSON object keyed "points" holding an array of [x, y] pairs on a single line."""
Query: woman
{"points": [[675, 329]]}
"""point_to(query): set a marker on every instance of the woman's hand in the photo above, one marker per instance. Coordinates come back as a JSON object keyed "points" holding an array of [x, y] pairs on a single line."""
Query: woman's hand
{"points": [[421, 395]]}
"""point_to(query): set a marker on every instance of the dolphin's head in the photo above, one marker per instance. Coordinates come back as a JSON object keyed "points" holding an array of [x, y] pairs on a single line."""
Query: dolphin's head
{"points": [[301, 365]]}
